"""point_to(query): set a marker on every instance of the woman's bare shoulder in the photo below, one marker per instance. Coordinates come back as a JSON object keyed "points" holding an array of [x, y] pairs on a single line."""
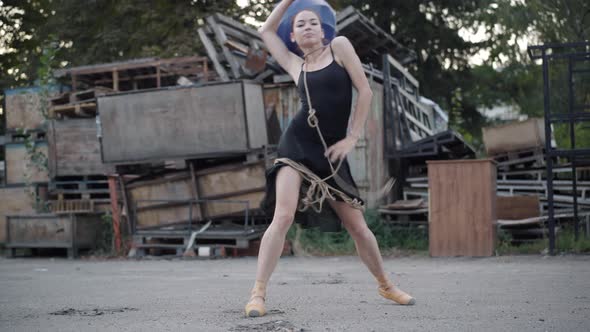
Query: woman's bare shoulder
{"points": [[343, 50], [341, 43]]}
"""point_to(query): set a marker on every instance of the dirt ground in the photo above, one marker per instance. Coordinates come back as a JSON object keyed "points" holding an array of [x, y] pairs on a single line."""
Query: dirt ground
{"points": [[517, 293]]}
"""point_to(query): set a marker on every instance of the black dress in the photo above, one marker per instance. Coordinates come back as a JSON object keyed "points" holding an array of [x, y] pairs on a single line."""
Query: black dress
{"points": [[330, 90]]}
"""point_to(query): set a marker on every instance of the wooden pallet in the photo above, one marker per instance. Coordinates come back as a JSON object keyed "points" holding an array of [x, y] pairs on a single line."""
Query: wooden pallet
{"points": [[137, 74], [71, 206], [85, 187], [562, 172], [77, 103], [520, 159], [157, 244], [13, 136], [84, 109], [162, 241]]}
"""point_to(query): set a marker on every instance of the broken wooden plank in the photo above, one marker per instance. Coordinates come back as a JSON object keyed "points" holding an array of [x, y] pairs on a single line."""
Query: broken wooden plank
{"points": [[539, 220], [237, 46], [212, 53], [221, 37], [239, 26]]}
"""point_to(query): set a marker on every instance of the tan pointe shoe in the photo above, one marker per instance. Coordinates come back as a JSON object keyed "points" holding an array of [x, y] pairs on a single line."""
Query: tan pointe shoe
{"points": [[397, 295], [257, 309]]}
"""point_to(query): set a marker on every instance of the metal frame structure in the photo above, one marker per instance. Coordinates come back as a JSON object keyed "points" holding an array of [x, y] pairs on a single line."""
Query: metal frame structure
{"points": [[573, 54], [403, 115]]}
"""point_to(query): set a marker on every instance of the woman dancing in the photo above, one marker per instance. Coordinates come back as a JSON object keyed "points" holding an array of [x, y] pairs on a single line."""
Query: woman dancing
{"points": [[312, 150]]}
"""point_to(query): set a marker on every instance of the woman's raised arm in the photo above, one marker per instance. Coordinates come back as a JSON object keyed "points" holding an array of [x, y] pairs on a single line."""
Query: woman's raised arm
{"points": [[268, 31]]}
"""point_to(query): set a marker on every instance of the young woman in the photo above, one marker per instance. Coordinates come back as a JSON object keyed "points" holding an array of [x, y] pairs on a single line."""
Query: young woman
{"points": [[312, 151]]}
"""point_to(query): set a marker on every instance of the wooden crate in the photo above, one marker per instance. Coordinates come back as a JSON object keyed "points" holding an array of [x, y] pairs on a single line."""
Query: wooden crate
{"points": [[214, 187], [182, 123], [14, 200], [74, 148], [237, 182], [17, 160], [74, 231], [462, 207]]}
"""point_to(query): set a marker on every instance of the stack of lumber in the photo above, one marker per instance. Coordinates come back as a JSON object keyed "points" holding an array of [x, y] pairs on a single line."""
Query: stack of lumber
{"points": [[370, 40], [136, 74]]}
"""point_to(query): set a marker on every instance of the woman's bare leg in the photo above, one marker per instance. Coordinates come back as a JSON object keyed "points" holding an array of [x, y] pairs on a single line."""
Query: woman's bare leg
{"points": [[364, 240], [288, 182], [367, 248]]}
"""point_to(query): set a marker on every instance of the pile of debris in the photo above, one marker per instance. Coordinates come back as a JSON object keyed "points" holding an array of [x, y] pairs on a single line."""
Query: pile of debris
{"points": [[521, 184], [55, 188], [176, 148]]}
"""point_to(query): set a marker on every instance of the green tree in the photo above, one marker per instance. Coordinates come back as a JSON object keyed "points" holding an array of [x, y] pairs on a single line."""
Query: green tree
{"points": [[96, 31]]}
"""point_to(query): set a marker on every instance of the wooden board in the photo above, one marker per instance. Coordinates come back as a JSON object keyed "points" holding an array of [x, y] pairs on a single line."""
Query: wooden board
{"points": [[517, 207], [281, 103], [255, 115], [368, 165], [159, 216], [173, 186], [225, 180], [23, 110], [462, 211], [13, 200], [17, 160], [180, 123], [177, 186], [43, 229], [237, 182], [74, 148], [218, 209]]}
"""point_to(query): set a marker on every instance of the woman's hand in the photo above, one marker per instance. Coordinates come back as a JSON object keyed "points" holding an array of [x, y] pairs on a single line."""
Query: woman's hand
{"points": [[340, 149]]}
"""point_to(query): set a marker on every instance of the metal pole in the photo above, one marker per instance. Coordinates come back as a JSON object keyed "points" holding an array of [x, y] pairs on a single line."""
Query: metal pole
{"points": [[190, 216], [246, 214], [389, 123], [112, 180], [548, 153], [573, 143]]}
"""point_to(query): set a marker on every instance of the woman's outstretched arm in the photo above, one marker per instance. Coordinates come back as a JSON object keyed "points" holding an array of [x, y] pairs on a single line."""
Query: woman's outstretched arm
{"points": [[345, 54], [268, 31], [351, 62]]}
